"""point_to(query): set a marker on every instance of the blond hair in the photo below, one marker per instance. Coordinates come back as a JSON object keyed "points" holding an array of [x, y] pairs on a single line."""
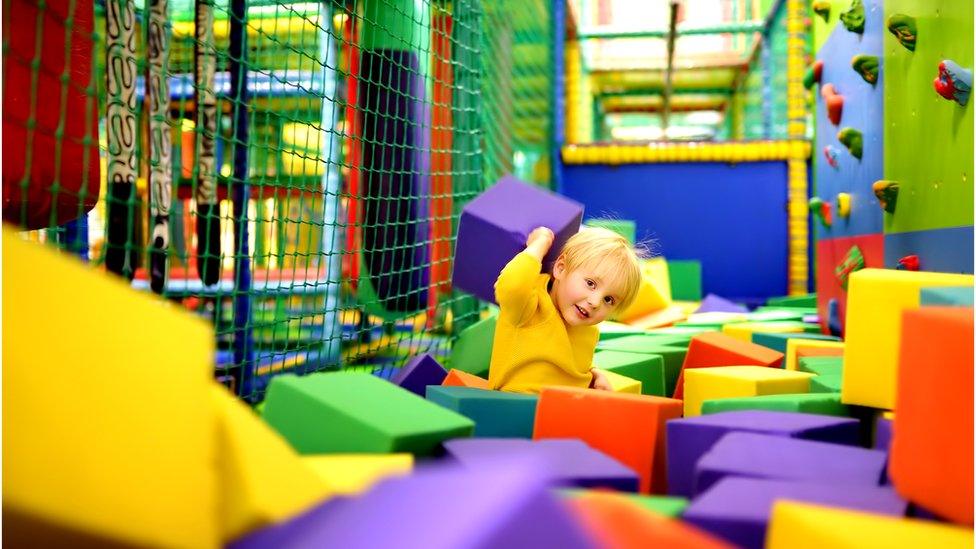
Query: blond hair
{"points": [[610, 256]]}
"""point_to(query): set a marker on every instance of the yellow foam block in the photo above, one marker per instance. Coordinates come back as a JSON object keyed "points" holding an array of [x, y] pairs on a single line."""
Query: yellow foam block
{"points": [[350, 474], [658, 319], [263, 480], [703, 384], [654, 293], [794, 345], [716, 317], [796, 525], [108, 431], [875, 301], [622, 384], [744, 330], [656, 269], [687, 307]]}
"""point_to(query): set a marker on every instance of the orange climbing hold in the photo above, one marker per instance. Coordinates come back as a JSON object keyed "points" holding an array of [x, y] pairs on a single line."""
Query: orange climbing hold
{"points": [[834, 103]]}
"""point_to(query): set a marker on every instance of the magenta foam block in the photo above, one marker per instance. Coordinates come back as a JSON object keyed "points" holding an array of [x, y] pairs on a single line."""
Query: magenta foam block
{"points": [[738, 509], [571, 462], [715, 304], [418, 373], [493, 228], [757, 455], [507, 503], [690, 438]]}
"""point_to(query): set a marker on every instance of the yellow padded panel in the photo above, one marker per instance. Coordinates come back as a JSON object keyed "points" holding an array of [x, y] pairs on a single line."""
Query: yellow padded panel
{"points": [[622, 384], [703, 384], [108, 431], [795, 344], [875, 301], [654, 293], [796, 525], [263, 481], [350, 474], [744, 330]]}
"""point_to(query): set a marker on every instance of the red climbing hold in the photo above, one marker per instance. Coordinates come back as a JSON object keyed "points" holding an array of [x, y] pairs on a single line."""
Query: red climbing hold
{"points": [[833, 101], [908, 263]]}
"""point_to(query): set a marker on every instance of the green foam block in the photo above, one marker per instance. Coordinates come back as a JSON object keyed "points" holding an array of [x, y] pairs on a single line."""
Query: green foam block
{"points": [[777, 341], [957, 296], [806, 300], [681, 330], [827, 404], [471, 352], [615, 330], [668, 506], [686, 280], [641, 343], [826, 383], [648, 369], [623, 227], [350, 412], [777, 314], [494, 413], [821, 365]]}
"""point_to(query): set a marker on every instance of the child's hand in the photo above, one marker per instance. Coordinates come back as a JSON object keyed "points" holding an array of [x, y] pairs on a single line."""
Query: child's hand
{"points": [[600, 380], [540, 236]]}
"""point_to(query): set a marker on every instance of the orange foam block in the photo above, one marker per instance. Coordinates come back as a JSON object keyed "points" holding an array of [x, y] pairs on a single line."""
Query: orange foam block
{"points": [[627, 427], [932, 450], [711, 349], [457, 378], [619, 523]]}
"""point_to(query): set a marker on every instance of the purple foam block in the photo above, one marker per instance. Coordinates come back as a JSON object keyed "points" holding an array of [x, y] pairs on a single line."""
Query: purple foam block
{"points": [[505, 504], [738, 509], [689, 438], [882, 434], [715, 304], [421, 371], [494, 226], [769, 456], [811, 319], [293, 532], [571, 462]]}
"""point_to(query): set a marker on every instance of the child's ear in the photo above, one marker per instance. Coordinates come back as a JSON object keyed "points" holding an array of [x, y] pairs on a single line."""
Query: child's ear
{"points": [[559, 268]]}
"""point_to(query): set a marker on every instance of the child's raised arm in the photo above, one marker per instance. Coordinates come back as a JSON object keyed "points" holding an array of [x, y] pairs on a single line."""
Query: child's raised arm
{"points": [[514, 289]]}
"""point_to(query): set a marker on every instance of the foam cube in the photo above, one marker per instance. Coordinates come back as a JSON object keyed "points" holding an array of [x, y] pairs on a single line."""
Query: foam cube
{"points": [[746, 330], [685, 279], [569, 462], [801, 348], [343, 412], [494, 413], [758, 455], [418, 373], [667, 506], [352, 474], [739, 509], [643, 343], [821, 364], [715, 304], [690, 438], [108, 430], [703, 384], [647, 369], [777, 341], [959, 296], [882, 434], [827, 383], [612, 330], [876, 298], [623, 227], [804, 301], [802, 526], [827, 404], [622, 384], [932, 452], [627, 427], [654, 293], [457, 378], [491, 231], [778, 314], [712, 349], [617, 522], [659, 319], [714, 319], [471, 352]]}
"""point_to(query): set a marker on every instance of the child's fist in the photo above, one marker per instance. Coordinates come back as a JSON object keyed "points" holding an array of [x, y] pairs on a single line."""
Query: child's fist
{"points": [[600, 380], [543, 235]]}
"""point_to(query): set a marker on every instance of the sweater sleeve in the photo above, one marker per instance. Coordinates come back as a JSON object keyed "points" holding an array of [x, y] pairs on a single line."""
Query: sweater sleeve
{"points": [[515, 288]]}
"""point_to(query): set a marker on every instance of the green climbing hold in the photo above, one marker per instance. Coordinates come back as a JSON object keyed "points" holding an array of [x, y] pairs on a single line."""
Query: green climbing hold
{"points": [[867, 67], [904, 29], [853, 140], [813, 74], [887, 194], [822, 8], [853, 261], [853, 18]]}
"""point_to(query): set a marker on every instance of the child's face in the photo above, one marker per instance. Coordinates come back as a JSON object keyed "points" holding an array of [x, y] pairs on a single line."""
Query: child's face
{"points": [[582, 296]]}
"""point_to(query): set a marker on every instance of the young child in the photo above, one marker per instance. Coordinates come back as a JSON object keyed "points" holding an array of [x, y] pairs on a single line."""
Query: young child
{"points": [[546, 331]]}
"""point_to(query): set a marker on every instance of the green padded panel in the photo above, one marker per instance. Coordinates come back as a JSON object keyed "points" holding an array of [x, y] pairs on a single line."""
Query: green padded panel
{"points": [[813, 403], [777, 341], [821, 365], [686, 279], [349, 412], [494, 413], [958, 296], [668, 506], [826, 383], [471, 352], [802, 301], [623, 227], [648, 369]]}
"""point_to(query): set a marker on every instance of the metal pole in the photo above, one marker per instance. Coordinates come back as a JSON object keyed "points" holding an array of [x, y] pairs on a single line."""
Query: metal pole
{"points": [[745, 27], [668, 73]]}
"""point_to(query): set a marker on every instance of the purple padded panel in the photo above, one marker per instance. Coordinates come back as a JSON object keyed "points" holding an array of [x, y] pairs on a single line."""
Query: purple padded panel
{"points": [[757, 455], [418, 373], [571, 462], [738, 509], [494, 226], [715, 304], [689, 438]]}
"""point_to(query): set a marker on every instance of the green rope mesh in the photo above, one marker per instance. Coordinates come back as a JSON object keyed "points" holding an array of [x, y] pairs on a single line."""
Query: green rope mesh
{"points": [[370, 124]]}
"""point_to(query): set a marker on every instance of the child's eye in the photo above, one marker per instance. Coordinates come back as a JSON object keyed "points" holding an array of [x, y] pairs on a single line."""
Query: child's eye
{"points": [[590, 283], [608, 300]]}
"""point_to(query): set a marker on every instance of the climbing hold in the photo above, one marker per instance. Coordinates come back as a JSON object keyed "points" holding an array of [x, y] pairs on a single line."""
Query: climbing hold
{"points": [[867, 67], [844, 205], [908, 263], [834, 102], [954, 82], [887, 193], [853, 140], [822, 8], [821, 210], [831, 153], [833, 317], [813, 74], [853, 261], [853, 18], [904, 29]]}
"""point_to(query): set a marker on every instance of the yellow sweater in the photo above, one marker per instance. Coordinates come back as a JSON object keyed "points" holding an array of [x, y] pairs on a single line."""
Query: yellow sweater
{"points": [[533, 347]]}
